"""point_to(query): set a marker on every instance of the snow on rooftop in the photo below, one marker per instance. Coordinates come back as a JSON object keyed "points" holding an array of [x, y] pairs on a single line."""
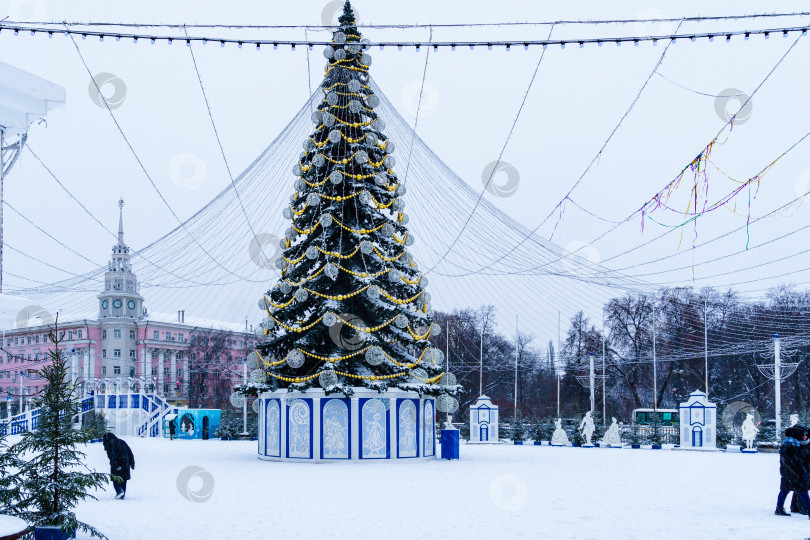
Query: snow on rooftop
{"points": [[201, 322]]}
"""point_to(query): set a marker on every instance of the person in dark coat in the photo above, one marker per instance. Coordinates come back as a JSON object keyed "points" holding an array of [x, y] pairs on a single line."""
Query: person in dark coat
{"points": [[796, 505], [172, 429], [121, 461], [793, 469]]}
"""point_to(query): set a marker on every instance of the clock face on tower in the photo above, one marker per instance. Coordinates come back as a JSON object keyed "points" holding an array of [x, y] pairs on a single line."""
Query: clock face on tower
{"points": [[117, 303], [131, 304], [104, 304]]}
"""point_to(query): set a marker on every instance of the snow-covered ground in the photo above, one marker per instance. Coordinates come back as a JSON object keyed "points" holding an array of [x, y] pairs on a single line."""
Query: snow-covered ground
{"points": [[499, 491]]}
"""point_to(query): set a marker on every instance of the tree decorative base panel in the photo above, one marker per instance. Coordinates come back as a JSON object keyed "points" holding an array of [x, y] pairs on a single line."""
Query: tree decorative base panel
{"points": [[312, 426]]}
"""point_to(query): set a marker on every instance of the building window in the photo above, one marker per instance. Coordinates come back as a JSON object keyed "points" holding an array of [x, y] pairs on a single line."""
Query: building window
{"points": [[132, 334], [28, 340], [70, 336], [8, 342], [117, 334], [132, 372], [104, 353], [165, 372], [156, 335], [15, 341], [44, 338], [36, 357], [154, 370], [154, 354], [117, 370], [36, 339], [116, 353], [103, 370], [180, 337], [80, 334], [179, 373], [168, 336], [132, 353], [178, 355], [165, 388], [103, 334]]}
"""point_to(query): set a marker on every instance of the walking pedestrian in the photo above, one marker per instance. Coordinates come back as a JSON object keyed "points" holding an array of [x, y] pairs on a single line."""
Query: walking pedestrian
{"points": [[121, 461], [796, 505], [793, 469], [172, 429]]}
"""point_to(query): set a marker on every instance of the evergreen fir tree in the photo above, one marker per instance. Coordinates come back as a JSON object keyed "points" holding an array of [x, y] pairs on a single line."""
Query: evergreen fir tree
{"points": [[9, 478], [95, 424], [655, 430], [51, 478], [231, 424], [518, 431], [537, 431], [351, 307], [634, 437]]}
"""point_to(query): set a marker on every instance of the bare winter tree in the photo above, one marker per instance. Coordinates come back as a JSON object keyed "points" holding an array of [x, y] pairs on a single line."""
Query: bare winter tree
{"points": [[215, 365]]}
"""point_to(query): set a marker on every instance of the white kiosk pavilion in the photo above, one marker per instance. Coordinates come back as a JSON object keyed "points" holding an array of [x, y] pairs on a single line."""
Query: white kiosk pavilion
{"points": [[698, 423], [484, 421]]}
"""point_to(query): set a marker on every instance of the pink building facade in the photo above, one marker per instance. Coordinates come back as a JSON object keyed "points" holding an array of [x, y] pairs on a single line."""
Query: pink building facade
{"points": [[122, 346]]}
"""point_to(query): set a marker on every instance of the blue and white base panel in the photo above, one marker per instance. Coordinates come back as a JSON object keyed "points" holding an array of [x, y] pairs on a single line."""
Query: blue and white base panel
{"points": [[311, 426]]}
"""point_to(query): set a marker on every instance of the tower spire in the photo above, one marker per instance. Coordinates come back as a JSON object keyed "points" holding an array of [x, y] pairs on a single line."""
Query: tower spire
{"points": [[121, 222]]}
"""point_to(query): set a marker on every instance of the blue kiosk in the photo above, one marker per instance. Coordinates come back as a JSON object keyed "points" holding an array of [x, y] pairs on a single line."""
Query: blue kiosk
{"points": [[193, 423]]}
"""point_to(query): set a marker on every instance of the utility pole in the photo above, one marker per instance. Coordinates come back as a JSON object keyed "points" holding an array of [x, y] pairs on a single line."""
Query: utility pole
{"points": [[706, 342], [447, 349], [655, 367], [604, 384], [481, 361], [556, 364], [591, 379], [244, 403], [777, 379], [516, 364]]}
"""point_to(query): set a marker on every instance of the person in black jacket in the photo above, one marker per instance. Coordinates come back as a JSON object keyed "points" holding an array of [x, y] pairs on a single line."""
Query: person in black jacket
{"points": [[793, 469], [796, 505], [121, 461]]}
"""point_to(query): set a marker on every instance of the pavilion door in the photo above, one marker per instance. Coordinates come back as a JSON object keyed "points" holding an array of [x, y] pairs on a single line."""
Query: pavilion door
{"points": [[697, 436]]}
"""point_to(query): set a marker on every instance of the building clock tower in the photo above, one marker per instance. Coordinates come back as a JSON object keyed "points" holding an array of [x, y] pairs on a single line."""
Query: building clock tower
{"points": [[120, 297]]}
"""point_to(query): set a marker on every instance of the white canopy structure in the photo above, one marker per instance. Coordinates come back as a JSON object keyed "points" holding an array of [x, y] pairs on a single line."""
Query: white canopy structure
{"points": [[24, 99]]}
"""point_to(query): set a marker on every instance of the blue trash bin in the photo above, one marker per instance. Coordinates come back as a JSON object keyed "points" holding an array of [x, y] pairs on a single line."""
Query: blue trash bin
{"points": [[450, 443]]}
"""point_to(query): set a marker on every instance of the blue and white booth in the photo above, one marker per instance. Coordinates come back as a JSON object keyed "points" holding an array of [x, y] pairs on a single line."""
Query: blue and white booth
{"points": [[698, 423], [484, 421], [313, 426]]}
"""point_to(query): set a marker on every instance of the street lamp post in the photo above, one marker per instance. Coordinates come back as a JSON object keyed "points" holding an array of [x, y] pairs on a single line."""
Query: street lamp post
{"points": [[244, 402]]}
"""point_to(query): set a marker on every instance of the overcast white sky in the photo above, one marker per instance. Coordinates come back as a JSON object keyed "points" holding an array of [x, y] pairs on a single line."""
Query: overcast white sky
{"points": [[470, 101]]}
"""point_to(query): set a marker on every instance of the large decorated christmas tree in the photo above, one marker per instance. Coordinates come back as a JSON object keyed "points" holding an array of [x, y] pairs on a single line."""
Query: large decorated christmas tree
{"points": [[351, 308]]}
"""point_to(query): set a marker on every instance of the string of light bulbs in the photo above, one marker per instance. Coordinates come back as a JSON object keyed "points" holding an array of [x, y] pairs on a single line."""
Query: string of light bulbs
{"points": [[417, 45]]}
